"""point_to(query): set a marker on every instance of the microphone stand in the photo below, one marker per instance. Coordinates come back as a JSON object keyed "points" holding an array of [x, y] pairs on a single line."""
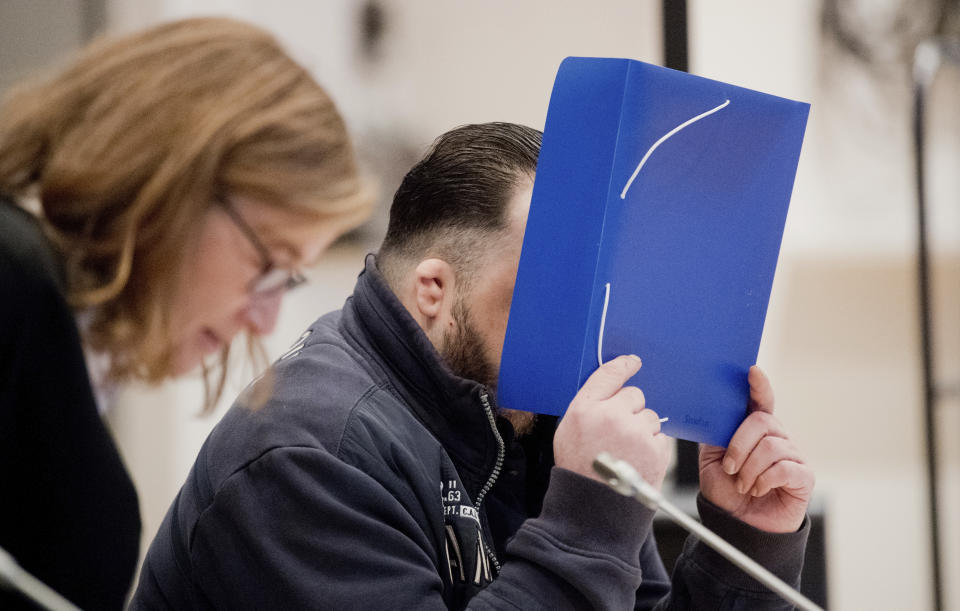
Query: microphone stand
{"points": [[13, 576], [623, 478]]}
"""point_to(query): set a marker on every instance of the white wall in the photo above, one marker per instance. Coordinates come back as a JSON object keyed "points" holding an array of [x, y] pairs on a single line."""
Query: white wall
{"points": [[841, 340]]}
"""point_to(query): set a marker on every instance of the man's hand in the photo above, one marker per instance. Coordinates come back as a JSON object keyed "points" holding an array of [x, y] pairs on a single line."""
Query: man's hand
{"points": [[606, 416], [761, 478]]}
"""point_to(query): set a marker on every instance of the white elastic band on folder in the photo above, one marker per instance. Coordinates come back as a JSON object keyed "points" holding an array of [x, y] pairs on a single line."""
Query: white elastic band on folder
{"points": [[603, 322], [623, 194]]}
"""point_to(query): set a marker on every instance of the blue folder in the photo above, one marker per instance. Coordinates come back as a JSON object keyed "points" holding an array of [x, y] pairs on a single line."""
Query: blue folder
{"points": [[658, 211]]}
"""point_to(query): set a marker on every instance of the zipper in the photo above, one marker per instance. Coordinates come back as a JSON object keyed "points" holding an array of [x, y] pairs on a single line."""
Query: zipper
{"points": [[501, 453]]}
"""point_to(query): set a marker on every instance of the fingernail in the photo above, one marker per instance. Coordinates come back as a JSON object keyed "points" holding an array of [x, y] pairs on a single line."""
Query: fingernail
{"points": [[755, 491], [729, 466], [636, 358], [741, 488]]}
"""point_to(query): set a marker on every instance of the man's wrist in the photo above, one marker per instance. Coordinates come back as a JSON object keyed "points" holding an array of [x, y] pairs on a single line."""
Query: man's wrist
{"points": [[594, 516], [780, 553]]}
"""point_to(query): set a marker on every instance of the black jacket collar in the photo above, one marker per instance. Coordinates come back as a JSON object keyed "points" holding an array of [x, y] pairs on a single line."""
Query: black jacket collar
{"points": [[448, 405], [24, 238]]}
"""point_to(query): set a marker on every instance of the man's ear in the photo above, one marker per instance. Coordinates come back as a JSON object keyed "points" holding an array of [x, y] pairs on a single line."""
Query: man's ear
{"points": [[434, 294]]}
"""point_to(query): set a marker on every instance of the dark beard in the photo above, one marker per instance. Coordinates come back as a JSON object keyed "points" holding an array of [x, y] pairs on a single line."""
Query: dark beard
{"points": [[463, 352]]}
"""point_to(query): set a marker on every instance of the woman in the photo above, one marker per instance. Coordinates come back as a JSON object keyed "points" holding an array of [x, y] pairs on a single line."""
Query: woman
{"points": [[156, 199]]}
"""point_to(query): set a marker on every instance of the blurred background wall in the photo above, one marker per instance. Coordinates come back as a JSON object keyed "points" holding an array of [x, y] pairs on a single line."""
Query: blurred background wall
{"points": [[841, 341]]}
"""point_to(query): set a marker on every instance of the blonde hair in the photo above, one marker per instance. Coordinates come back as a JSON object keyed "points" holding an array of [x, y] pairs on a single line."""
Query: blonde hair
{"points": [[131, 144]]}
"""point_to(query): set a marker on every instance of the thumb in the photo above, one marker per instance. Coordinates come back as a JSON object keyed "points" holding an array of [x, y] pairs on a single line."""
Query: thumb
{"points": [[761, 391], [610, 377]]}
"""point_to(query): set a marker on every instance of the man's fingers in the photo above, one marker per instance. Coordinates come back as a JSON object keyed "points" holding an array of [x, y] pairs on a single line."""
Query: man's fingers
{"points": [[651, 418], [630, 403], [630, 398], [664, 445], [757, 426], [761, 391], [610, 377], [793, 477], [769, 451], [660, 446], [645, 420]]}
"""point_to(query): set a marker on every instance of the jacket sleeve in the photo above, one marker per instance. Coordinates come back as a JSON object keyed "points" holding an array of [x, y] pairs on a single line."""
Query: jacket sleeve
{"points": [[656, 582], [581, 552], [703, 579], [304, 529]]}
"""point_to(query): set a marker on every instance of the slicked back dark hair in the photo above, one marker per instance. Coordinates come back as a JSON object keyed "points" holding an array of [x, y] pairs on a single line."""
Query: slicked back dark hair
{"points": [[457, 195]]}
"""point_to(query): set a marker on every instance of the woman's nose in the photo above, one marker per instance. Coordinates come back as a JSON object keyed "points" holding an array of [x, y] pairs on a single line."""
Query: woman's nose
{"points": [[261, 314]]}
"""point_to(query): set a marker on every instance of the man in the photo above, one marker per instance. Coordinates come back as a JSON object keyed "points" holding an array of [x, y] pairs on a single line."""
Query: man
{"points": [[381, 474]]}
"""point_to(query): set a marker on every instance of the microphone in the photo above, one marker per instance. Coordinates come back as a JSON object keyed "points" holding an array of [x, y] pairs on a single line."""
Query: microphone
{"points": [[14, 577], [622, 477]]}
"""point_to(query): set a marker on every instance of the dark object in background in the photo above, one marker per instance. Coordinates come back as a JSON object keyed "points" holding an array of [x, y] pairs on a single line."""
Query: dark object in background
{"points": [[675, 45], [373, 23]]}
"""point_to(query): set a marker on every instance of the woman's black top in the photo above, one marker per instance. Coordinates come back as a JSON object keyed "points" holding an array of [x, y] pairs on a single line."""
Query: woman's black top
{"points": [[68, 509]]}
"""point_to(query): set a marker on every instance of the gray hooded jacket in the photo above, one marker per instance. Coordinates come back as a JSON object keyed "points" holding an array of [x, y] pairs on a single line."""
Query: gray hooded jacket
{"points": [[374, 478]]}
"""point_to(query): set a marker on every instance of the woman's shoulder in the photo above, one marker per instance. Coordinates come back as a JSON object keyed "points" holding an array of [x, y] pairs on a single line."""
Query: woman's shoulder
{"points": [[27, 257]]}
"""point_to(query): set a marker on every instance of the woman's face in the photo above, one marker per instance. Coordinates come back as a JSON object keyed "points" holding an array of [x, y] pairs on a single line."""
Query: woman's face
{"points": [[217, 289]]}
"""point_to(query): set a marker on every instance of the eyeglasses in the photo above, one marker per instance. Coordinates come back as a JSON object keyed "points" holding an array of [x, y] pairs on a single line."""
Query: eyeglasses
{"points": [[272, 278]]}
